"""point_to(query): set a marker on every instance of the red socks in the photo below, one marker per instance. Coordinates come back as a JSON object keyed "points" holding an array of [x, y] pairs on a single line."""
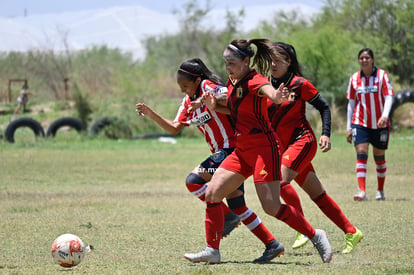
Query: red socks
{"points": [[334, 213], [292, 217], [290, 196], [214, 224]]}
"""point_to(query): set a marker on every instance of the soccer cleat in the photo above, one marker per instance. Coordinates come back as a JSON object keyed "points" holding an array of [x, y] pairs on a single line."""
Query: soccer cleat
{"points": [[273, 249], [321, 243], [300, 241], [352, 240], [208, 255], [231, 221], [379, 196], [360, 196]]}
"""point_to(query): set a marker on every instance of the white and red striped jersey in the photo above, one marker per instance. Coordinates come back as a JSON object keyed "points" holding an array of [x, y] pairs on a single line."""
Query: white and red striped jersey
{"points": [[369, 94], [216, 127]]}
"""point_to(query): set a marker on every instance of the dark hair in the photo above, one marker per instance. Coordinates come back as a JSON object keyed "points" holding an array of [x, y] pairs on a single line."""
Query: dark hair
{"points": [[287, 51], [194, 68], [368, 50], [243, 50]]}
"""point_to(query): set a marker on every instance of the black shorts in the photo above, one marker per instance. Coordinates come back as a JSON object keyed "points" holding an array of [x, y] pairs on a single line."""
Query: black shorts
{"points": [[214, 160], [377, 137]]}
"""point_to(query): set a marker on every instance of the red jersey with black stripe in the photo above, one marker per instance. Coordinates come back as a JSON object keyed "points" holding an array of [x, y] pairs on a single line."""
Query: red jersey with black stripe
{"points": [[369, 94], [249, 111], [216, 127], [289, 118]]}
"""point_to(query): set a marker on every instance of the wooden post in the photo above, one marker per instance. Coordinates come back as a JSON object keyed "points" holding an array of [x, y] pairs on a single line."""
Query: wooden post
{"points": [[10, 82]]}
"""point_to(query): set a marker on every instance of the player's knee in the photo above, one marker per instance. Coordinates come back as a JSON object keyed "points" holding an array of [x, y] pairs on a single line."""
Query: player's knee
{"points": [[362, 156], [271, 208], [194, 179], [196, 185], [214, 194]]}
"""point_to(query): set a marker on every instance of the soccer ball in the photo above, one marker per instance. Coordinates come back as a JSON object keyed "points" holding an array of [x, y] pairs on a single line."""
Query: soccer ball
{"points": [[68, 250]]}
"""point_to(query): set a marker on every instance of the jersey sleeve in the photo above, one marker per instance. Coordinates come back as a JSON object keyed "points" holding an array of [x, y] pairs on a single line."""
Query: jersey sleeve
{"points": [[309, 91], [350, 91], [182, 115], [386, 85], [257, 82], [209, 86]]}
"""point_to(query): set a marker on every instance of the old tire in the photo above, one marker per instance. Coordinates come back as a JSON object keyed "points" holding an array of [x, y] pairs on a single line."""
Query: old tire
{"points": [[112, 127], [100, 124], [71, 122], [23, 122], [399, 99]]}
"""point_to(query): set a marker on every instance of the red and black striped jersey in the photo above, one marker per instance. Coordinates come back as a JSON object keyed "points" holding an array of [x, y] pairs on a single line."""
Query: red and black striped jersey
{"points": [[290, 117], [249, 108]]}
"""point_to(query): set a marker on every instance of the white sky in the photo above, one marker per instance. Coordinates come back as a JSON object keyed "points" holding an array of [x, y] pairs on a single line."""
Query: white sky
{"points": [[19, 8]]}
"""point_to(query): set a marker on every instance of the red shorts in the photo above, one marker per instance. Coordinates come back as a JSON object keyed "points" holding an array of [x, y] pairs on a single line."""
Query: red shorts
{"points": [[263, 162], [299, 154]]}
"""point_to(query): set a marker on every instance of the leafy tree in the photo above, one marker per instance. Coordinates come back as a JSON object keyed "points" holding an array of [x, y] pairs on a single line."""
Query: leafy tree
{"points": [[194, 39], [322, 51], [386, 26]]}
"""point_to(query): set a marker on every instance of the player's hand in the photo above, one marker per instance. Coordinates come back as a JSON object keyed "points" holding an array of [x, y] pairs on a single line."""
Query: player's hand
{"points": [[210, 100], [349, 136], [194, 105], [325, 143], [282, 93], [142, 109], [382, 122]]}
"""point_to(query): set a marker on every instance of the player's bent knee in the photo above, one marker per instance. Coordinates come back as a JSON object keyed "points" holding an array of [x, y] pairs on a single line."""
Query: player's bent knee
{"points": [[271, 209]]}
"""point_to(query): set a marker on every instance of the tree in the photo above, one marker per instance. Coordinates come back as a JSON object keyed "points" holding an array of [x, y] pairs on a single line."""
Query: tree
{"points": [[386, 26], [194, 39], [322, 51]]}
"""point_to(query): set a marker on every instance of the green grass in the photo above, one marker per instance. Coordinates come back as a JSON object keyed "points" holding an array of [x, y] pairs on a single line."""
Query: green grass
{"points": [[128, 199]]}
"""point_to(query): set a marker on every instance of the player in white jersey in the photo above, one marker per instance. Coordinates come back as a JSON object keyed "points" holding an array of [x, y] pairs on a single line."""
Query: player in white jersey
{"points": [[369, 97]]}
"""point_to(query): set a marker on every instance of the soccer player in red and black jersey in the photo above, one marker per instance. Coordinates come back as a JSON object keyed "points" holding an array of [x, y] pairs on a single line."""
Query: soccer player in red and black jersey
{"points": [[369, 96], [195, 79], [257, 152], [299, 140]]}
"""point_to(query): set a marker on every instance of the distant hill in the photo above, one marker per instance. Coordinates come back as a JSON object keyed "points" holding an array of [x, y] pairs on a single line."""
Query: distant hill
{"points": [[118, 27]]}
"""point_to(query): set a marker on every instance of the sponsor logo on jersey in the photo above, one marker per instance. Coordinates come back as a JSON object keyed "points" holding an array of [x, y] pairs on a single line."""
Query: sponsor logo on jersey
{"points": [[367, 90], [202, 119]]}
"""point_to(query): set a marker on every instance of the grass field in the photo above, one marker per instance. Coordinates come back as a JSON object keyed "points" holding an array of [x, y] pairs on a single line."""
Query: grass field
{"points": [[128, 199]]}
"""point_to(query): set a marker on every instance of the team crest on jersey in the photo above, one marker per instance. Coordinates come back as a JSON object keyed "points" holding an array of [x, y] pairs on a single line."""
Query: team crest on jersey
{"points": [[202, 119], [292, 95]]}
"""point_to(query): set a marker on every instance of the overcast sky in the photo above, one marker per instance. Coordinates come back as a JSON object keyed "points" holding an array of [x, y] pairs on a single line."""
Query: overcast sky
{"points": [[19, 8]]}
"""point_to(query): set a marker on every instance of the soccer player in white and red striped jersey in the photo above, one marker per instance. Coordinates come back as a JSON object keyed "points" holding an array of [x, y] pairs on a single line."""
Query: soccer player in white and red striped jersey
{"points": [[369, 96], [195, 79]]}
